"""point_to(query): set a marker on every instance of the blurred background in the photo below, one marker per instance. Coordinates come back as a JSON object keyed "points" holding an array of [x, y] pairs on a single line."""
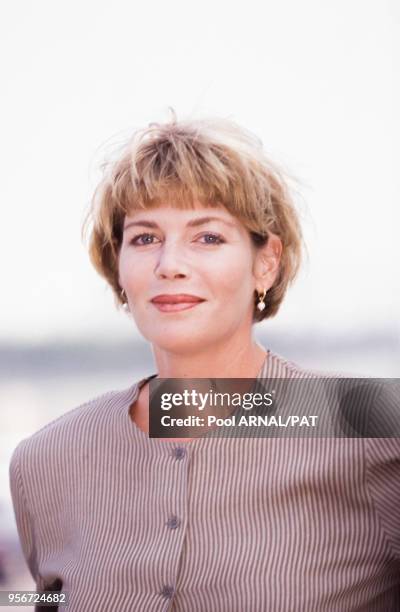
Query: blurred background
{"points": [[316, 81]]}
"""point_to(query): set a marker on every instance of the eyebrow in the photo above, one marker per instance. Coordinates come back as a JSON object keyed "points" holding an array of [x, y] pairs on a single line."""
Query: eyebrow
{"points": [[193, 223]]}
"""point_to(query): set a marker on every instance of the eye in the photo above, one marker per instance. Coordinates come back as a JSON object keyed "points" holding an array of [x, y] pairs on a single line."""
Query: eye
{"points": [[147, 239], [215, 239]]}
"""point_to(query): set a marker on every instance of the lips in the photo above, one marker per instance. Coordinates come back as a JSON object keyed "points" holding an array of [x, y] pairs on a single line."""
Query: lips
{"points": [[178, 298], [176, 302]]}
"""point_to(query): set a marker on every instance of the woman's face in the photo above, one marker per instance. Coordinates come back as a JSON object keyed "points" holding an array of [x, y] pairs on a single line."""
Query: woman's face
{"points": [[205, 253]]}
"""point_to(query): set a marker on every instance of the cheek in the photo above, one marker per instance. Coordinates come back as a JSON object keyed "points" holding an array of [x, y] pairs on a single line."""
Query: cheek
{"points": [[233, 285], [132, 273]]}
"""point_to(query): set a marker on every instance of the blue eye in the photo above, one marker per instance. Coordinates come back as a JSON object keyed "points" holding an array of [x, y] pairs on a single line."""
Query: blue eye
{"points": [[216, 238], [136, 239]]}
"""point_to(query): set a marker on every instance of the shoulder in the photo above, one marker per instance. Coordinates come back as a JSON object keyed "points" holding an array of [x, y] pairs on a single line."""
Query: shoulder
{"points": [[383, 480], [287, 368], [74, 431]]}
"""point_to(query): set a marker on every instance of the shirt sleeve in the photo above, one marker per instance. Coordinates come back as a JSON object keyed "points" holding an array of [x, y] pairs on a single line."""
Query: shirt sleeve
{"points": [[382, 456], [23, 515]]}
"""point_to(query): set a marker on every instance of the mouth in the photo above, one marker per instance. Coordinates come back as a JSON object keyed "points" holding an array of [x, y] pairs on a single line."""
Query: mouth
{"points": [[175, 306], [176, 303]]}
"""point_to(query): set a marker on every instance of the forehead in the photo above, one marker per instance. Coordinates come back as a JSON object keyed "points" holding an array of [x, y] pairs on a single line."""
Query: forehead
{"points": [[168, 214]]}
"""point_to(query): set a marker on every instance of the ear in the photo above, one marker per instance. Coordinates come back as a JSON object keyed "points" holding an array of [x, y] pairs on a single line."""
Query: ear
{"points": [[119, 281], [266, 264]]}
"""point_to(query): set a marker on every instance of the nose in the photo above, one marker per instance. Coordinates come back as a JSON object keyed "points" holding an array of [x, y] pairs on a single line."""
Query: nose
{"points": [[170, 263]]}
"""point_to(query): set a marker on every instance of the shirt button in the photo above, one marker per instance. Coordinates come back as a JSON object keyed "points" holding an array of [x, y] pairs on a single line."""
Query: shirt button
{"points": [[167, 591], [173, 522], [179, 452]]}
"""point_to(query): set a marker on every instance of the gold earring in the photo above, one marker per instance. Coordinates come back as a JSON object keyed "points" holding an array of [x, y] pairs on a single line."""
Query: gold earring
{"points": [[125, 304], [261, 303]]}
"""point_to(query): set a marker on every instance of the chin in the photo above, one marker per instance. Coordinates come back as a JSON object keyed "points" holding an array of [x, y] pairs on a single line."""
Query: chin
{"points": [[181, 340]]}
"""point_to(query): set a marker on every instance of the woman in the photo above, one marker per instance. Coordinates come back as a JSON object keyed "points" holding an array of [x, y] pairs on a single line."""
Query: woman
{"points": [[195, 231]]}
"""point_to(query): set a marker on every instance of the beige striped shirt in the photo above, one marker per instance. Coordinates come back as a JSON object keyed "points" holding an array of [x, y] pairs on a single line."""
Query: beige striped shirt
{"points": [[128, 523]]}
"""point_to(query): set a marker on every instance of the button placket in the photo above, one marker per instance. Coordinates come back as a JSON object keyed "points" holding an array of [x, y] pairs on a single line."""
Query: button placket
{"points": [[177, 454]]}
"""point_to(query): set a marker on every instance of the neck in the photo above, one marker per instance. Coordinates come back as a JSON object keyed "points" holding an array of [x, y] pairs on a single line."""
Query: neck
{"points": [[232, 360]]}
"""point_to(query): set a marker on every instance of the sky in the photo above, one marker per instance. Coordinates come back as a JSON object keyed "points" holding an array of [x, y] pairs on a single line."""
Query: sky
{"points": [[316, 81]]}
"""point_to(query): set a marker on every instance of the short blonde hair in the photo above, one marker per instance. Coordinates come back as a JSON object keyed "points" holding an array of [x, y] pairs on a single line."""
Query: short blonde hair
{"points": [[208, 161]]}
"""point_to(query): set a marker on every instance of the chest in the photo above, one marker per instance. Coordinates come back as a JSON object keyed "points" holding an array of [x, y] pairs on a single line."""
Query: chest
{"points": [[254, 522]]}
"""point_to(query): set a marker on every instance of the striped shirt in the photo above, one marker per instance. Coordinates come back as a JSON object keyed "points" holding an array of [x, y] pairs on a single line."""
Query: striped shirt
{"points": [[124, 522]]}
